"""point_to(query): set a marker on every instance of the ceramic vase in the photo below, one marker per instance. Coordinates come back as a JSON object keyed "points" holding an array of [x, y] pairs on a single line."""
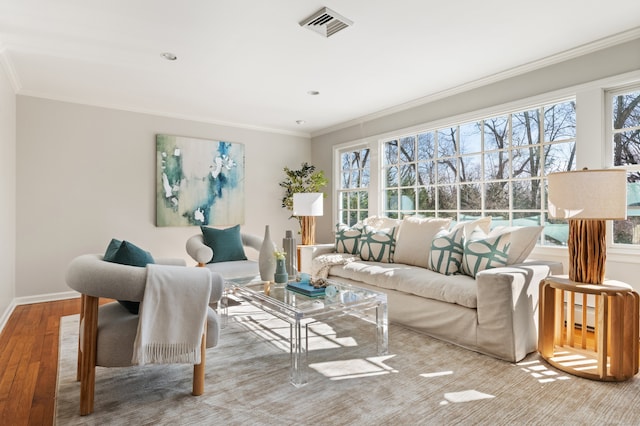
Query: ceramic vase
{"points": [[289, 245], [266, 258], [281, 276]]}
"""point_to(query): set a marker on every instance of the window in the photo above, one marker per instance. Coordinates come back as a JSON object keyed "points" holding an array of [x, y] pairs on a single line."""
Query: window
{"points": [[494, 167], [353, 193], [625, 131]]}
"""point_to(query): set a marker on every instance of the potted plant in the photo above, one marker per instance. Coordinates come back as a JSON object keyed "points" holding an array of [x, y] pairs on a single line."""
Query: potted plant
{"points": [[305, 179]]}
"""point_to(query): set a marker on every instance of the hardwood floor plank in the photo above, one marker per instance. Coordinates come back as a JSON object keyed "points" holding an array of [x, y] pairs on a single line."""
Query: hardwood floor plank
{"points": [[29, 362]]}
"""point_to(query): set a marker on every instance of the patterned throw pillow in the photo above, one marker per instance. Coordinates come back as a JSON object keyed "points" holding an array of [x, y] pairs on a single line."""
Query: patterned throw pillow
{"points": [[348, 239], [378, 245], [482, 252], [447, 251]]}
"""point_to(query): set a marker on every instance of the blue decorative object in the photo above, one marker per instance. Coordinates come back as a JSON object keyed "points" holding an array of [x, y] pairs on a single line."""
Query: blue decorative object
{"points": [[281, 276]]}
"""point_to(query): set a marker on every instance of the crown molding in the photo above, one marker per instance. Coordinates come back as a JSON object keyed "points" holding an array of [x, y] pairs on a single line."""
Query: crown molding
{"points": [[158, 113], [566, 55]]}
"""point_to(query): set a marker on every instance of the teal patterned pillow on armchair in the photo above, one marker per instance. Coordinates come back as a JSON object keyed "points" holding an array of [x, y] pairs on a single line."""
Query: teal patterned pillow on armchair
{"points": [[447, 251], [378, 245]]}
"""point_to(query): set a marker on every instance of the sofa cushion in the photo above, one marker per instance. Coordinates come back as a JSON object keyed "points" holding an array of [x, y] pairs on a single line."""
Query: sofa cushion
{"points": [[523, 240], [484, 252], [225, 243], [126, 253], [483, 223], [459, 289], [447, 250], [378, 245], [414, 239], [348, 238], [381, 222]]}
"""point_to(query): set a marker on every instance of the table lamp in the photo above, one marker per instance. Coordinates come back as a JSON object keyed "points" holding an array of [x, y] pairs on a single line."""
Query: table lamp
{"points": [[587, 198], [308, 205]]}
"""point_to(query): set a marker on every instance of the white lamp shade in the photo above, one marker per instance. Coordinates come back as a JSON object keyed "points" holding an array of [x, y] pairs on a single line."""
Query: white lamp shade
{"points": [[307, 204], [588, 194]]}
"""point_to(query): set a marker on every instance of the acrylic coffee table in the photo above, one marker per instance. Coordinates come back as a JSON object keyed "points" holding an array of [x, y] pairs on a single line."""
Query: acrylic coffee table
{"points": [[301, 311]]}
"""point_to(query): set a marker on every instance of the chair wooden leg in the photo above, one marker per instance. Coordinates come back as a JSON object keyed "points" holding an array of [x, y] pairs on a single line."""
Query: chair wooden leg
{"points": [[79, 367], [198, 369], [88, 359]]}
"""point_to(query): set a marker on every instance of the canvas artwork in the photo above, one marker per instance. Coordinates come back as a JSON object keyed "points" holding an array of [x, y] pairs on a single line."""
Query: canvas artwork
{"points": [[198, 182]]}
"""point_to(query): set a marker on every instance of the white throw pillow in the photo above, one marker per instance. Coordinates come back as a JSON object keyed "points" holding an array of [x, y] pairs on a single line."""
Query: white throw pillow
{"points": [[414, 239], [483, 223], [523, 240], [381, 222]]}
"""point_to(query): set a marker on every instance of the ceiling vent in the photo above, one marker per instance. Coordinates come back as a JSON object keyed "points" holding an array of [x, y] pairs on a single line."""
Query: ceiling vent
{"points": [[326, 22]]}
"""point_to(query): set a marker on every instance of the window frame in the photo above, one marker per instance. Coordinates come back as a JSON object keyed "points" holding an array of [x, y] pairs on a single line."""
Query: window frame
{"points": [[591, 130]]}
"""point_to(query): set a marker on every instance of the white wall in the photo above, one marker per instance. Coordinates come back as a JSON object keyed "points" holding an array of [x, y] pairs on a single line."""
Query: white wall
{"points": [[87, 174], [7, 194], [612, 61]]}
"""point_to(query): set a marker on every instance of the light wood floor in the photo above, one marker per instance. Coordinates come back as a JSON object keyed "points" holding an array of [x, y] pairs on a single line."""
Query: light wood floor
{"points": [[29, 362]]}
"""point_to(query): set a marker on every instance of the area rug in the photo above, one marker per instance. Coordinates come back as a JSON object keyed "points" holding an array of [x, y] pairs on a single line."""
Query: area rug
{"points": [[421, 381]]}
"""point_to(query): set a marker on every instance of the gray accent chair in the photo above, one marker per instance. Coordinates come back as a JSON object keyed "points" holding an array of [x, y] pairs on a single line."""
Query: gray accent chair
{"points": [[203, 254], [108, 332]]}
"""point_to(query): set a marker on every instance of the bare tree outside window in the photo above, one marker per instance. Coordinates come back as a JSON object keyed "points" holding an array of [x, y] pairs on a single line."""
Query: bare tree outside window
{"points": [[491, 167], [353, 195], [625, 122]]}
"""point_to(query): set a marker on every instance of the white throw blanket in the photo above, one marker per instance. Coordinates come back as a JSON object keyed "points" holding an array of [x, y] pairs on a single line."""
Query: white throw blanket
{"points": [[172, 315], [322, 264]]}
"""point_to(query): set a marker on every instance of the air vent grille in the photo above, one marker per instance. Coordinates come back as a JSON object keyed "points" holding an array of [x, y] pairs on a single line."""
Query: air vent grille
{"points": [[326, 22]]}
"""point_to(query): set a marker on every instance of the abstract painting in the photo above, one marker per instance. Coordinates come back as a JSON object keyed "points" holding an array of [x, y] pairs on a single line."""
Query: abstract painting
{"points": [[198, 182]]}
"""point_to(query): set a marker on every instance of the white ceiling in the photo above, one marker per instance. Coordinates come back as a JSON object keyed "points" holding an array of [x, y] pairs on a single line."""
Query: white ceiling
{"points": [[248, 63]]}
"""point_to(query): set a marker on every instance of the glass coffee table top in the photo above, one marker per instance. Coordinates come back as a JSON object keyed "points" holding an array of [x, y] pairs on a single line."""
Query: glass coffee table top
{"points": [[300, 310]]}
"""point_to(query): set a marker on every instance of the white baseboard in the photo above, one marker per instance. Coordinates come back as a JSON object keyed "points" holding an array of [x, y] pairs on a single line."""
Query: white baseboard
{"points": [[7, 314], [49, 297], [28, 300]]}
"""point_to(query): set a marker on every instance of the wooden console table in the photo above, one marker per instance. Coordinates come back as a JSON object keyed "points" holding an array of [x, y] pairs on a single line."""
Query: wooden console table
{"points": [[613, 356]]}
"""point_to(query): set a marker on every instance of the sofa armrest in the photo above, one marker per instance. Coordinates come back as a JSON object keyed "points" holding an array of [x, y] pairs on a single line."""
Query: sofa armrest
{"points": [[308, 253], [508, 307], [198, 250], [318, 249], [253, 241]]}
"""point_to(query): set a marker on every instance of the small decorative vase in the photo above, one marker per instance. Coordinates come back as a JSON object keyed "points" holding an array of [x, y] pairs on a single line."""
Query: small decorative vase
{"points": [[289, 245], [281, 276], [266, 259]]}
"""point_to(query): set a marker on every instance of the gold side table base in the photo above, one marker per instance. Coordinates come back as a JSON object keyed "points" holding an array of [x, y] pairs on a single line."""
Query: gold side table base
{"points": [[615, 355]]}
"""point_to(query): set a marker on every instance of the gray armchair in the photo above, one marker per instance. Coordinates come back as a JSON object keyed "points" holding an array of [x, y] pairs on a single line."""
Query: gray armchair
{"points": [[203, 254], [108, 332]]}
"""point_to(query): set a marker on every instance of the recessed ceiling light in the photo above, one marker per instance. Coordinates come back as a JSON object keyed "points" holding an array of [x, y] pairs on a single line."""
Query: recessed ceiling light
{"points": [[169, 56], [313, 92], [300, 121]]}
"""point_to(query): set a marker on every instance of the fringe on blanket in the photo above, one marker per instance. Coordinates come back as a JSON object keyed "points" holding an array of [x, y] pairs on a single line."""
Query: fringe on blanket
{"points": [[169, 353]]}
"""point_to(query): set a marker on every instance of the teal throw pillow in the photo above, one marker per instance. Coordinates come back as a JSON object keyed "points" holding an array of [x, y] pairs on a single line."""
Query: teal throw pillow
{"points": [[126, 253], [225, 243], [378, 245], [482, 252], [447, 251], [348, 238]]}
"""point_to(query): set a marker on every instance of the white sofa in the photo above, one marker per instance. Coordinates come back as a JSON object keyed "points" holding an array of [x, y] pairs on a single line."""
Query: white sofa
{"points": [[495, 313]]}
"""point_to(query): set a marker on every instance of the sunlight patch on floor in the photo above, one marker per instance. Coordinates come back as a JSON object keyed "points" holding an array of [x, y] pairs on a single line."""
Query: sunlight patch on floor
{"points": [[437, 374], [541, 372], [354, 368], [464, 396]]}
